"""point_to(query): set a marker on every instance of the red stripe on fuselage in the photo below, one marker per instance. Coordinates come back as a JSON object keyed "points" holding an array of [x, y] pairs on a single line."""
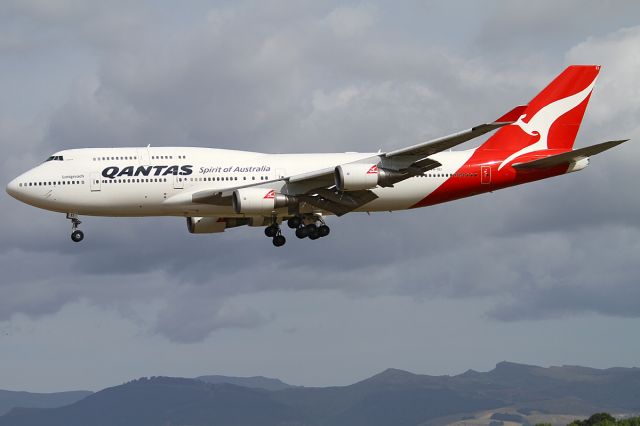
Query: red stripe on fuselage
{"points": [[467, 181]]}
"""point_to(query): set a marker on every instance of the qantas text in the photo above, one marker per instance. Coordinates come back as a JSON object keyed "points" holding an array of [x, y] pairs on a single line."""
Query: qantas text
{"points": [[113, 171]]}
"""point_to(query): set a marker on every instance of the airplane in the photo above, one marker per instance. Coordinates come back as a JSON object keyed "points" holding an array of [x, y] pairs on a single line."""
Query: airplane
{"points": [[219, 189]]}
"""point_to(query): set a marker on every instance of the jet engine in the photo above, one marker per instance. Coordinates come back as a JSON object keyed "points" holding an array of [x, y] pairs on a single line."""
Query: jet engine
{"points": [[205, 225], [355, 177], [258, 200]]}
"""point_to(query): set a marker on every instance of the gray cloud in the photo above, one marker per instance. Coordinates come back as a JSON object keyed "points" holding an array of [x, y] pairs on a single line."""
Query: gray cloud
{"points": [[321, 78]]}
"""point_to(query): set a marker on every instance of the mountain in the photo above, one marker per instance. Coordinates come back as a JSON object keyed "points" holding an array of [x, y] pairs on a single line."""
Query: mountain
{"points": [[509, 393], [11, 399], [163, 401], [258, 382]]}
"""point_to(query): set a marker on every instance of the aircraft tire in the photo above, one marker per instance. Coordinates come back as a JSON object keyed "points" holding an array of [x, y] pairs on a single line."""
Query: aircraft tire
{"points": [[312, 232], [279, 240], [270, 231], [294, 222], [323, 230]]}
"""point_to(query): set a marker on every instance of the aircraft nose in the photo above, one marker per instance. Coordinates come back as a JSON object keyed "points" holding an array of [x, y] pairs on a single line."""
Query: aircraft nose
{"points": [[13, 188]]}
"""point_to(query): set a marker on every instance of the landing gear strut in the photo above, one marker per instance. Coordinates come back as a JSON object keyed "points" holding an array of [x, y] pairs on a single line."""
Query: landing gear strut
{"points": [[76, 234]]}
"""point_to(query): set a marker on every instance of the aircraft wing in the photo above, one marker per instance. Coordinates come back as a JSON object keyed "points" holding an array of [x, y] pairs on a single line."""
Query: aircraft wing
{"points": [[434, 146], [318, 187], [567, 157], [416, 156]]}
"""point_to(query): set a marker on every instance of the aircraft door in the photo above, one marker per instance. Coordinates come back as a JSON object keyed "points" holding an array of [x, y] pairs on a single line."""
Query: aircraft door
{"points": [[485, 175], [95, 181], [143, 156]]}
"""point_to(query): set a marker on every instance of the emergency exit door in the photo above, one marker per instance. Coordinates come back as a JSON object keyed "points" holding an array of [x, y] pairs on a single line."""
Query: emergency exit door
{"points": [[95, 181]]}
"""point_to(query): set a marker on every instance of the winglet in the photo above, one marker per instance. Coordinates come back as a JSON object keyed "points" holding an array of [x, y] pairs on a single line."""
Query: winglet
{"points": [[513, 115]]}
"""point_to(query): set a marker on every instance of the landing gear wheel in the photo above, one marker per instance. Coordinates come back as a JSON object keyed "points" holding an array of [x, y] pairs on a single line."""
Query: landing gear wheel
{"points": [[301, 232], [279, 240], [294, 222], [271, 231], [312, 232], [77, 235], [323, 230]]}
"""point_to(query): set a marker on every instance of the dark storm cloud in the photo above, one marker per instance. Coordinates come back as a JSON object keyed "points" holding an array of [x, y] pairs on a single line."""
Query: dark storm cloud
{"points": [[319, 79], [609, 287]]}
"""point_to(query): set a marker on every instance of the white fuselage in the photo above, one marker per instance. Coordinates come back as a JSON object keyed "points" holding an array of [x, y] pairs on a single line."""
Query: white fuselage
{"points": [[150, 181]]}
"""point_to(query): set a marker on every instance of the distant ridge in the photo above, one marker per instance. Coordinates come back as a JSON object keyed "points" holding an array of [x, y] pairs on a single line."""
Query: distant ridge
{"points": [[514, 393], [11, 399], [258, 382]]}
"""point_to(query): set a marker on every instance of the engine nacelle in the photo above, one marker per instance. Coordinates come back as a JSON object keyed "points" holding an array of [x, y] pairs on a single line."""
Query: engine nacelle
{"points": [[205, 225], [258, 200], [356, 176]]}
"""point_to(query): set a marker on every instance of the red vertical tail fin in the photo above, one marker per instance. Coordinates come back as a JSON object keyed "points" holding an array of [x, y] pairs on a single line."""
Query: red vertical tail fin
{"points": [[552, 119]]}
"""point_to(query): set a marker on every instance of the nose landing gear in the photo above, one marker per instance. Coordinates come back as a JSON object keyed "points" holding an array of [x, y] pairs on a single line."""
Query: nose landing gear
{"points": [[76, 234]]}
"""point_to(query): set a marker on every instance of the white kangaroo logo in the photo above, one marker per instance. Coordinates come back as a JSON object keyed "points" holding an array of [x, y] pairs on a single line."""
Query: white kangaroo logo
{"points": [[542, 121]]}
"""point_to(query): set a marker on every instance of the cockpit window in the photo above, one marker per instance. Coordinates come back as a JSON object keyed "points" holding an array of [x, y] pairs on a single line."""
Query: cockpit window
{"points": [[54, 158]]}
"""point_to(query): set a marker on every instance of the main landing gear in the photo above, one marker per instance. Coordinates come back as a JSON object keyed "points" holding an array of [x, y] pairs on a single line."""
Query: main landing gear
{"points": [[273, 231], [307, 226], [76, 234]]}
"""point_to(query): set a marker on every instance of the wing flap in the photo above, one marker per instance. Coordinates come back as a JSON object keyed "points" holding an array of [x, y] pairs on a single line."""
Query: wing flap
{"points": [[339, 203]]}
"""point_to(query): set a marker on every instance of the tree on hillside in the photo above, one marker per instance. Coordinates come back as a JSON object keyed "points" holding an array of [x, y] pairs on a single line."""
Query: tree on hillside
{"points": [[606, 419]]}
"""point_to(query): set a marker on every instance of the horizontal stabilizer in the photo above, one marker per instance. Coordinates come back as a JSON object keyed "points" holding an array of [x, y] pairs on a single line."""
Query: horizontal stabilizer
{"points": [[568, 157]]}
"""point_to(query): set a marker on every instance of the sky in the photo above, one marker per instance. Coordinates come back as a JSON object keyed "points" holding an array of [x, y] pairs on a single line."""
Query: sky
{"points": [[547, 273]]}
